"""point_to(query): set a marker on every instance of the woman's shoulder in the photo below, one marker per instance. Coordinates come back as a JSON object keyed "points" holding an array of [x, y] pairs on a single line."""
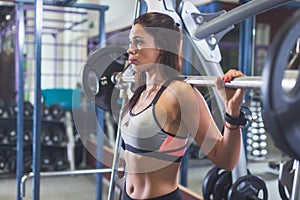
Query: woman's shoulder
{"points": [[180, 87], [186, 92], [179, 90]]}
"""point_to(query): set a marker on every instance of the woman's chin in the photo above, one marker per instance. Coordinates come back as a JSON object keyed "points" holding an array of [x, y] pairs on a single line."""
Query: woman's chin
{"points": [[136, 68]]}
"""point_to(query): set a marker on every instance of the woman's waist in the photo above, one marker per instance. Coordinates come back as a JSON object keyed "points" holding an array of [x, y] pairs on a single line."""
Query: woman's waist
{"points": [[148, 185], [149, 166]]}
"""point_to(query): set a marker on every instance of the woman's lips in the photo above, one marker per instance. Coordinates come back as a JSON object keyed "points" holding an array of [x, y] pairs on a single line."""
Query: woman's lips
{"points": [[131, 61]]}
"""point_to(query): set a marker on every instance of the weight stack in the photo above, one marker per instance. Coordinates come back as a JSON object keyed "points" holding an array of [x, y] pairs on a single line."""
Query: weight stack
{"points": [[256, 133]]}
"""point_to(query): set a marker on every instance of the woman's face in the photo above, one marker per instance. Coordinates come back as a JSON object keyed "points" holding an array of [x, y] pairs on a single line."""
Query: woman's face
{"points": [[143, 52]]}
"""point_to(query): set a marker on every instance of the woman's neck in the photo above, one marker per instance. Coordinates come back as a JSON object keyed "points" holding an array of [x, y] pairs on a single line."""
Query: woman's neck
{"points": [[154, 79]]}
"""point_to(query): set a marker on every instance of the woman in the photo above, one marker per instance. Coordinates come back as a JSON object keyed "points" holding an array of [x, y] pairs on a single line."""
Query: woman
{"points": [[164, 111]]}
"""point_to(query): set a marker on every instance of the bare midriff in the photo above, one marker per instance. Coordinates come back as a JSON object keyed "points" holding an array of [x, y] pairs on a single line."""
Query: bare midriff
{"points": [[149, 177]]}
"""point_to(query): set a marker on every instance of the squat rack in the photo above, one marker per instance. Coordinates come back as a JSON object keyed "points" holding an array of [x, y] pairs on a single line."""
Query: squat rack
{"points": [[38, 8], [52, 31]]}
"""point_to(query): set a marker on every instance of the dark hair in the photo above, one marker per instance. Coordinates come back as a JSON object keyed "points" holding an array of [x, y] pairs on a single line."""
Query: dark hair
{"points": [[167, 37]]}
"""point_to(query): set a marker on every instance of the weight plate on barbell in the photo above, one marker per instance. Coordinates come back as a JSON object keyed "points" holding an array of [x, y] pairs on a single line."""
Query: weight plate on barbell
{"points": [[97, 73], [280, 107]]}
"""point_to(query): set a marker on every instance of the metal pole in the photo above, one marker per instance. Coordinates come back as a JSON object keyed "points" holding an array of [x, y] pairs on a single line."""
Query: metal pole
{"points": [[20, 66], [236, 15], [36, 154], [184, 168], [100, 115], [75, 5], [55, 58], [245, 64], [115, 164], [99, 153], [137, 8], [61, 173]]}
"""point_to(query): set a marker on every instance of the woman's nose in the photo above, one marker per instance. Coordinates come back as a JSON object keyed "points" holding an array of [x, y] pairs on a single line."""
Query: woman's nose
{"points": [[131, 49]]}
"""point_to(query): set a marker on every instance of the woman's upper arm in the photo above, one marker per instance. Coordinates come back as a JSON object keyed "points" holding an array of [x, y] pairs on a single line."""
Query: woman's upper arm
{"points": [[197, 118]]}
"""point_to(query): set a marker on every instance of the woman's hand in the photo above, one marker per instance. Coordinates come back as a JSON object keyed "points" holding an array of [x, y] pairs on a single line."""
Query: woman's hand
{"points": [[233, 98]]}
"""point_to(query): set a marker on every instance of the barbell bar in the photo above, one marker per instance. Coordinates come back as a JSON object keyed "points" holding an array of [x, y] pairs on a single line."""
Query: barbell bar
{"points": [[247, 82]]}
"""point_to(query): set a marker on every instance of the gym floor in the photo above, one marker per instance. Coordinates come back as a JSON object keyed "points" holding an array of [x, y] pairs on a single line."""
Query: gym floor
{"points": [[83, 186]]}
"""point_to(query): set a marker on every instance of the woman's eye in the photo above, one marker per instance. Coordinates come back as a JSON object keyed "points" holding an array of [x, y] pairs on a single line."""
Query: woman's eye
{"points": [[137, 43]]}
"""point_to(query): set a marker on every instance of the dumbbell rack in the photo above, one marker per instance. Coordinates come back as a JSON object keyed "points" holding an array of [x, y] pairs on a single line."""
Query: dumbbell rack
{"points": [[56, 148], [256, 133]]}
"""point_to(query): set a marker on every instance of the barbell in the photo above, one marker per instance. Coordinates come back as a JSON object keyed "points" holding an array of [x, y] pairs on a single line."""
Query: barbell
{"points": [[105, 70], [246, 82], [98, 81]]}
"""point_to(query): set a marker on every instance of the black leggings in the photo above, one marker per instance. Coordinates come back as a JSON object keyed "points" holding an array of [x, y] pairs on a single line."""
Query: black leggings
{"points": [[175, 195]]}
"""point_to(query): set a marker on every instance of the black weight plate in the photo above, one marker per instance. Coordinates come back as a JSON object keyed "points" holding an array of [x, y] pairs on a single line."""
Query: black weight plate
{"points": [[222, 186], [209, 182], [280, 108], [248, 187], [97, 72]]}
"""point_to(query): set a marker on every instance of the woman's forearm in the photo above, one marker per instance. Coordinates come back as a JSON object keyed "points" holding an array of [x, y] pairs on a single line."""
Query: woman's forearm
{"points": [[226, 151]]}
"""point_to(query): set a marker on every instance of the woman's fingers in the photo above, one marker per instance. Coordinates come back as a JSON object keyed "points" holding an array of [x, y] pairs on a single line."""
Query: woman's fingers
{"points": [[228, 93], [231, 74]]}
